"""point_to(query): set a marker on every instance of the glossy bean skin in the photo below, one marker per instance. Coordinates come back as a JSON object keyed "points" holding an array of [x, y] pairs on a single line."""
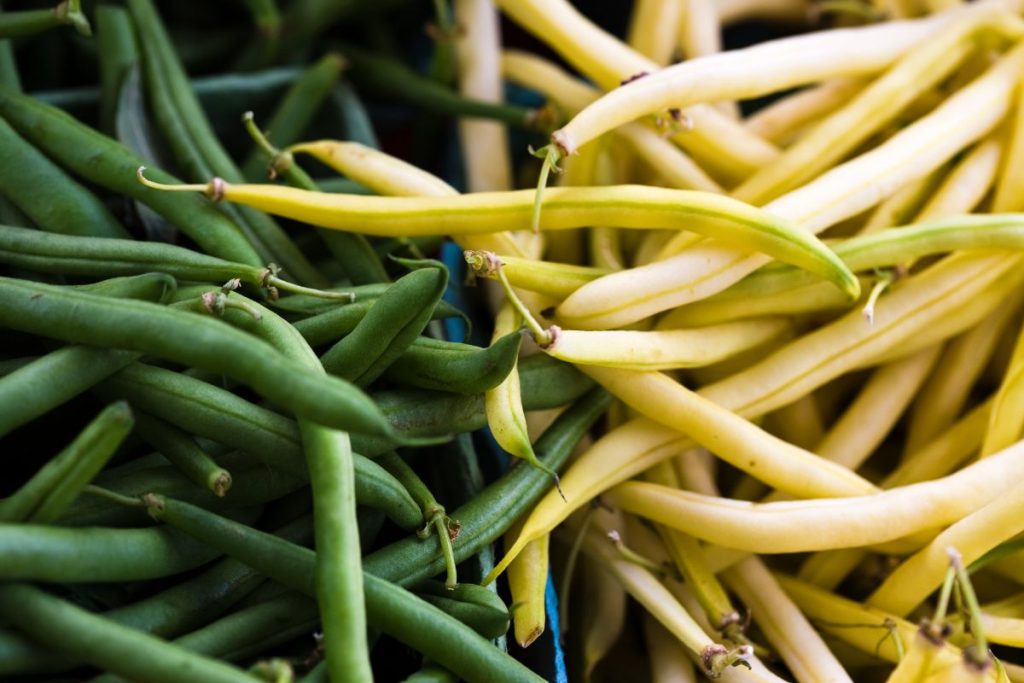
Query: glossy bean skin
{"points": [[109, 164], [473, 605], [49, 196], [195, 340], [388, 328], [458, 368]]}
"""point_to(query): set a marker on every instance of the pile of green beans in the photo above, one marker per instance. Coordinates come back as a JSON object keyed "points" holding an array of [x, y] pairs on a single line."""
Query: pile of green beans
{"points": [[195, 397]]}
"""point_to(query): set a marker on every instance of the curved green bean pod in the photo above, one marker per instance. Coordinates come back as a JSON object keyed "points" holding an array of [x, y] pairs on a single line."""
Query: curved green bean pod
{"points": [[107, 163], [626, 206], [92, 256], [106, 644], [389, 607], [458, 368], [37, 552], [388, 328], [337, 321], [33, 390], [196, 340], [59, 482], [49, 196]]}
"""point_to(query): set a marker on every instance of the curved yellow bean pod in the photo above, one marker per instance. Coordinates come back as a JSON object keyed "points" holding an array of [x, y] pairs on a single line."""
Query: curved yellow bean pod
{"points": [[732, 438], [973, 536], [668, 660], [826, 523], [780, 119], [1005, 421], [627, 206], [746, 73], [381, 172], [527, 581], [661, 350]]}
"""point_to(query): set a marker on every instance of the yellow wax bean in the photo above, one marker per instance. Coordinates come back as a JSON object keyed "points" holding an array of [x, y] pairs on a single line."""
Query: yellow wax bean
{"points": [[799, 423], [688, 558], [968, 182], [784, 625], [527, 581], [872, 109], [730, 437], [948, 388], [668, 660], [1003, 630], [649, 592], [973, 536], [846, 190], [919, 664], [849, 342], [781, 119], [604, 615], [1011, 177], [826, 523], [781, 284], [503, 404], [901, 207], [620, 454], [1007, 418], [556, 280], [715, 139], [571, 95], [740, 74], [661, 350], [874, 412], [393, 177], [381, 172], [700, 35], [938, 458], [478, 56], [652, 29], [628, 206]]}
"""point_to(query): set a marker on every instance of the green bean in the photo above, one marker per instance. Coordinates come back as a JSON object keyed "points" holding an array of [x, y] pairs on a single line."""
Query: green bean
{"points": [[459, 368], [37, 552], [358, 127], [31, 22], [545, 384], [188, 133], [91, 256], [75, 632], [473, 605], [208, 411], [389, 327], [185, 454], [492, 512], [267, 18], [151, 287], [304, 305], [332, 323], [115, 41], [389, 78], [295, 112], [48, 493], [51, 380], [111, 165], [192, 339], [8, 67], [171, 612], [53, 201], [432, 673], [389, 608]]}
